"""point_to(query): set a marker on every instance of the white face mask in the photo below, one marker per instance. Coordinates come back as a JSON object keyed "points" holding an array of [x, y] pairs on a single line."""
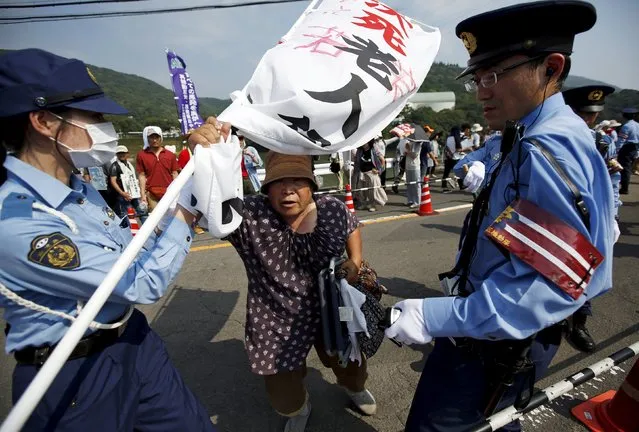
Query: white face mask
{"points": [[104, 140]]}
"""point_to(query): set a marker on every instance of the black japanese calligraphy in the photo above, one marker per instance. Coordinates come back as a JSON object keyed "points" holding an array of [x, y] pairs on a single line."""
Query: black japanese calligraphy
{"points": [[350, 92], [370, 57], [303, 124]]}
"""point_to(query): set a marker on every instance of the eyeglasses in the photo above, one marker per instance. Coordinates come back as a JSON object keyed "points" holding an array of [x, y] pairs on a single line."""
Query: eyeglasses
{"points": [[490, 80]]}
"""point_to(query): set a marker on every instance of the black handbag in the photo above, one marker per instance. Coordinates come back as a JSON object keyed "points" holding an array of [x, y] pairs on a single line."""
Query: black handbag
{"points": [[335, 331]]}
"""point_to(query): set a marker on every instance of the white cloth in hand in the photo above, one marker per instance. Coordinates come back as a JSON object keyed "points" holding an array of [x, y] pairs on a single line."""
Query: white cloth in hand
{"points": [[615, 231], [184, 198], [410, 327], [217, 180], [354, 299], [475, 176]]}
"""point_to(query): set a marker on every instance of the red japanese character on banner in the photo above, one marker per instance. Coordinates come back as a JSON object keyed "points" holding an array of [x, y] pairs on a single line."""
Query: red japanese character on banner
{"points": [[403, 22], [392, 35], [331, 37], [403, 83]]}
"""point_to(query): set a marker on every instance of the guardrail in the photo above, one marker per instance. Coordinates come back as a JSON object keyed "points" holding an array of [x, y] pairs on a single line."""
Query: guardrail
{"points": [[323, 169]]}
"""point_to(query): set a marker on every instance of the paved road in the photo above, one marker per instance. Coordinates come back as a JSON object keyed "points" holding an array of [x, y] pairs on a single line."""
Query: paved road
{"points": [[202, 321]]}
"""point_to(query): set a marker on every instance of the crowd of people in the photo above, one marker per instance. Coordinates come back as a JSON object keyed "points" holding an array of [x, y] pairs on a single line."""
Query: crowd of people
{"points": [[61, 237]]}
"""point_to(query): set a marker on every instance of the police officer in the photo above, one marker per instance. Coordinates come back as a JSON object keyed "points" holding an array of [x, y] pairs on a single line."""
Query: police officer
{"points": [[59, 240], [587, 102], [505, 314], [627, 145], [475, 167]]}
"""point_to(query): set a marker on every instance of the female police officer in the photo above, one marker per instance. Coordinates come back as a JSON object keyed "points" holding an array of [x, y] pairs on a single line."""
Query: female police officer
{"points": [[59, 239]]}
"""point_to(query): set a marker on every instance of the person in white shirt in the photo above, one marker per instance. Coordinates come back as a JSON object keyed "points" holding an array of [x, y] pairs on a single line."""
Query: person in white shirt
{"points": [[454, 150], [474, 136]]}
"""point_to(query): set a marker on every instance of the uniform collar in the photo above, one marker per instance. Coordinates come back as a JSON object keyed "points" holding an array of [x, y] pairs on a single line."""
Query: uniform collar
{"points": [[52, 191], [543, 110]]}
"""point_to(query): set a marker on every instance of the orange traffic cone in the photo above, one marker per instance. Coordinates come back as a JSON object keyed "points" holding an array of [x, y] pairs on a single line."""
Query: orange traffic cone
{"points": [[613, 411], [425, 205], [133, 222], [348, 199]]}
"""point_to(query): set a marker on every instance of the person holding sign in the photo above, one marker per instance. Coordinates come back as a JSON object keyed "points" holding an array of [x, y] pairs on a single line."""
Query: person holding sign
{"points": [[126, 185]]}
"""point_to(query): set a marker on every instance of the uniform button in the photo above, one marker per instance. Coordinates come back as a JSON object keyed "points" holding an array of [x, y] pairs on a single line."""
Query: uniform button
{"points": [[80, 201], [188, 238], [106, 222]]}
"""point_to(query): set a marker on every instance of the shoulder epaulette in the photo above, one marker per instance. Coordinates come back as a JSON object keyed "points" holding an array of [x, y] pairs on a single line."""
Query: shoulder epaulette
{"points": [[17, 204]]}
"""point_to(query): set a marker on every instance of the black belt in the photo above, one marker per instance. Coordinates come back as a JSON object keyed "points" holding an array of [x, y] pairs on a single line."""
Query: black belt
{"points": [[91, 344]]}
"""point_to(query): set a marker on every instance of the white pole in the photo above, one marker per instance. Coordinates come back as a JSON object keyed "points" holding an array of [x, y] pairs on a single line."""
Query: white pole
{"points": [[510, 414], [38, 387]]}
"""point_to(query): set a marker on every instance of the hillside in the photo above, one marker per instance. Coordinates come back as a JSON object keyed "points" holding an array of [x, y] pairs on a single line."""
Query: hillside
{"points": [[148, 102], [151, 103]]}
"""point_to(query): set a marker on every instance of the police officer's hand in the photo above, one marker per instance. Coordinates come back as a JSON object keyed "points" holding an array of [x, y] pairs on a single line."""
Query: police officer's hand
{"points": [[410, 327], [475, 176], [209, 133]]}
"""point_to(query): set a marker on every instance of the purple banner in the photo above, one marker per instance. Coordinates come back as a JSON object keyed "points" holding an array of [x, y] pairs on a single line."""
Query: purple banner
{"points": [[185, 97]]}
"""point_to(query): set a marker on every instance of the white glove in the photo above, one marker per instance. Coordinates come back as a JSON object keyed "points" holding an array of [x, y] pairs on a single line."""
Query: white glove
{"points": [[475, 176], [615, 231], [410, 327]]}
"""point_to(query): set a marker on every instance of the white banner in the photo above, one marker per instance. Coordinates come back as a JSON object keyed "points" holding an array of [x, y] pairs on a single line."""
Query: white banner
{"points": [[130, 184], [342, 73]]}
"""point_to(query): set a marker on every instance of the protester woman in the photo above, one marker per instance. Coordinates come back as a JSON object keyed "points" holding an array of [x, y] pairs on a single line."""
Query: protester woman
{"points": [[286, 237]]}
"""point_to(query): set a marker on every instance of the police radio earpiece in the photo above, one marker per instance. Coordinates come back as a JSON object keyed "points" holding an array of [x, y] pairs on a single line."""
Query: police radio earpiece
{"points": [[549, 71]]}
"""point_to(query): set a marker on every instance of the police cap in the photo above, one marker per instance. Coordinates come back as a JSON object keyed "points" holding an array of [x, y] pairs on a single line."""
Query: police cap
{"points": [[528, 28], [588, 98], [33, 79]]}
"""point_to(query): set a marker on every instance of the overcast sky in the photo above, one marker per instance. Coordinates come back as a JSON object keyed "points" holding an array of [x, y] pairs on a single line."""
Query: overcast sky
{"points": [[222, 47]]}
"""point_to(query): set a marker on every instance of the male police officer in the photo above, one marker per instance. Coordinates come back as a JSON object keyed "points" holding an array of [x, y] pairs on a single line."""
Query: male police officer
{"points": [[518, 274], [587, 102], [627, 146]]}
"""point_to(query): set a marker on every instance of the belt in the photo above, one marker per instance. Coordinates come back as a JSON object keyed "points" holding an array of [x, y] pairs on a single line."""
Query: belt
{"points": [[91, 344]]}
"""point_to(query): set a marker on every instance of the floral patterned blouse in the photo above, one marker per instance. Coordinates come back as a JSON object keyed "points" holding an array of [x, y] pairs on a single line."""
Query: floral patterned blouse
{"points": [[282, 313]]}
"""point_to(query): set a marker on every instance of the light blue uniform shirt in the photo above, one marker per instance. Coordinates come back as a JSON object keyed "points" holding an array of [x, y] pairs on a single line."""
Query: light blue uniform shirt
{"points": [[489, 154], [510, 300], [615, 178], [25, 270], [629, 132]]}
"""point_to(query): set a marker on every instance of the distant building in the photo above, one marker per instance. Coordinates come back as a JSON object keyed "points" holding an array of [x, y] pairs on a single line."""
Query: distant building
{"points": [[437, 101]]}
